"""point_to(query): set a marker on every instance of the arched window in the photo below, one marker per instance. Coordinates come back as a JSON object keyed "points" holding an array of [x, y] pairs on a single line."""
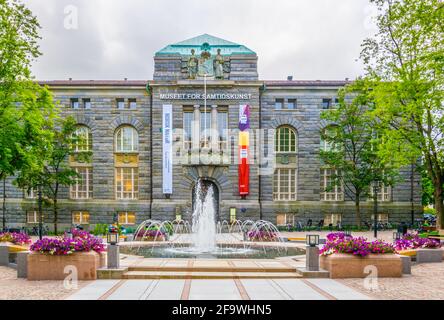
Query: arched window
{"points": [[83, 139], [286, 162], [127, 139]]}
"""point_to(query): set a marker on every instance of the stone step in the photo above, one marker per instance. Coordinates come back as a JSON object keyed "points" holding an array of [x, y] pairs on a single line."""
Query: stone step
{"points": [[208, 275], [212, 269]]}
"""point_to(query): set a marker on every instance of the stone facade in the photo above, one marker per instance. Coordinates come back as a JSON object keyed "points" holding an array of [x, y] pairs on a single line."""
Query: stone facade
{"points": [[170, 77]]}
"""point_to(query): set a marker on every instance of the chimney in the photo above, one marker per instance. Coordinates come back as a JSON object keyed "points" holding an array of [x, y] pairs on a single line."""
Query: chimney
{"points": [[70, 79], [126, 79], [290, 78]]}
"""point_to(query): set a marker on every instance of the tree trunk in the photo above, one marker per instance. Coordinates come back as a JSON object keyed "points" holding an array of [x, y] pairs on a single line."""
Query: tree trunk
{"points": [[4, 204], [358, 211], [55, 215], [439, 205]]}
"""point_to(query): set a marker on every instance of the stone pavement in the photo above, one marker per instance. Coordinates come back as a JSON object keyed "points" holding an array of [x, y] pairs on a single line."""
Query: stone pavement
{"points": [[226, 289]]}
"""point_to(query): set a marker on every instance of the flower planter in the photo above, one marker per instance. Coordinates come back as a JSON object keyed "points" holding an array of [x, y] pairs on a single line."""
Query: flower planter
{"points": [[52, 267], [349, 266]]}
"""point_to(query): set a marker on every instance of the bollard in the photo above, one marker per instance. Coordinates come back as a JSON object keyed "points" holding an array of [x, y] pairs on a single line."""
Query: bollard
{"points": [[406, 264], [4, 255], [113, 256], [312, 258], [22, 264]]}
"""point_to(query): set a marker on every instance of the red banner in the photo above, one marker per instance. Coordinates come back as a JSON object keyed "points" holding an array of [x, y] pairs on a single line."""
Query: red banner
{"points": [[244, 171]]}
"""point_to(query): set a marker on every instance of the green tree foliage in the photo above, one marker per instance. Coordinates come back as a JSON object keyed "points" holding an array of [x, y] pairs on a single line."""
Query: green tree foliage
{"points": [[26, 109], [405, 65], [354, 140]]}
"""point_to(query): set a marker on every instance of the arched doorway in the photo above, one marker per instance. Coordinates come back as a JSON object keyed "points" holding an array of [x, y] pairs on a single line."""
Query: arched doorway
{"points": [[205, 183]]}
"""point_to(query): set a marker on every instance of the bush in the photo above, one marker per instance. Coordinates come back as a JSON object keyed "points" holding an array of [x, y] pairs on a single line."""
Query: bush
{"points": [[428, 210], [100, 229]]}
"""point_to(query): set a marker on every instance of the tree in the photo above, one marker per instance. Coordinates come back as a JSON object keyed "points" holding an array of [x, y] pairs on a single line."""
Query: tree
{"points": [[405, 63], [353, 141], [25, 107]]}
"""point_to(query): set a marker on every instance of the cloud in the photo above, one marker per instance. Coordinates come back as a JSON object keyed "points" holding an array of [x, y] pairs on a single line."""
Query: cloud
{"points": [[309, 39]]}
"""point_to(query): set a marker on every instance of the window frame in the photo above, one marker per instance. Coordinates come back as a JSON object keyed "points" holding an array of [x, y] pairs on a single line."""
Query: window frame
{"points": [[81, 217], [119, 142]]}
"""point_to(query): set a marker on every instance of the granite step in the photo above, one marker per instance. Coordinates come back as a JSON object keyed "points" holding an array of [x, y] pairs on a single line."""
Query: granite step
{"points": [[281, 269], [208, 275]]}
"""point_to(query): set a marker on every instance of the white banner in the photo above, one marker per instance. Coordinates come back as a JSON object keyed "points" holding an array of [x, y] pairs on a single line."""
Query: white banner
{"points": [[167, 130]]}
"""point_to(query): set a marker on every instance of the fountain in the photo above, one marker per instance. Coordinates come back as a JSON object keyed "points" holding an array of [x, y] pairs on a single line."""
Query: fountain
{"points": [[206, 238]]}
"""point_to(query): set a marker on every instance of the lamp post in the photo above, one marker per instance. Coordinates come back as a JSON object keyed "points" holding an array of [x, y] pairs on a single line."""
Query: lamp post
{"points": [[312, 252], [396, 236], [375, 207], [113, 247]]}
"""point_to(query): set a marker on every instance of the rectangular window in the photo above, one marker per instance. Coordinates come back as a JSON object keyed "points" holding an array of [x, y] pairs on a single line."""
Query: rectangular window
{"points": [[30, 194], [87, 103], [188, 118], [83, 188], [291, 104], [120, 103], [80, 217], [205, 129], [32, 217], [132, 103], [336, 103], [222, 127], [330, 192], [384, 193], [326, 103], [232, 215], [382, 217], [284, 184], [75, 103], [332, 218], [127, 183], [127, 217], [283, 219], [279, 103]]}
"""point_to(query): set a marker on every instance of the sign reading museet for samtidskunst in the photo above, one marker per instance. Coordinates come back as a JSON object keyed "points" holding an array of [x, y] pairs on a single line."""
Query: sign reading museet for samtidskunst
{"points": [[208, 96]]}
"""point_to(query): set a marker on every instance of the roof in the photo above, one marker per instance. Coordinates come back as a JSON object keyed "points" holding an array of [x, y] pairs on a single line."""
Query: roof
{"points": [[203, 41], [143, 83]]}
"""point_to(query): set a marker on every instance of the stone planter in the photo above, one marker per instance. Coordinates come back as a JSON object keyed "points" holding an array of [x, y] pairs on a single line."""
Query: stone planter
{"points": [[425, 255], [348, 266], [48, 267]]}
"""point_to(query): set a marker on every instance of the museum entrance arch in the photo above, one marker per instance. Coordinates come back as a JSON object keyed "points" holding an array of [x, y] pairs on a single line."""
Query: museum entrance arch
{"points": [[206, 183]]}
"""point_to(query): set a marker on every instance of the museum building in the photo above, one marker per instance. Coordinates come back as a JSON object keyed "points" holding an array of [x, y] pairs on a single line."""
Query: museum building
{"points": [[205, 115]]}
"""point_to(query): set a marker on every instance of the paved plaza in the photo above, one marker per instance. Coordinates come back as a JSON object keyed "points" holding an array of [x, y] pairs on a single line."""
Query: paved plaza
{"points": [[226, 289]]}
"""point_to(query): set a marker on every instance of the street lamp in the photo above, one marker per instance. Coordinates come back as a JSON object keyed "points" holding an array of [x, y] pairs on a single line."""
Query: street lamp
{"points": [[112, 238], [375, 206], [312, 252], [113, 249], [312, 240]]}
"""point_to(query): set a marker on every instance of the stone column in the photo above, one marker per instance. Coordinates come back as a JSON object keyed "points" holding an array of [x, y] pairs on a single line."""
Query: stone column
{"points": [[195, 135], [4, 255], [113, 256], [22, 264]]}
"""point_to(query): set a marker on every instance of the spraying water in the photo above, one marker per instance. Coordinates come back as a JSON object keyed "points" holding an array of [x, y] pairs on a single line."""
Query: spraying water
{"points": [[203, 219]]}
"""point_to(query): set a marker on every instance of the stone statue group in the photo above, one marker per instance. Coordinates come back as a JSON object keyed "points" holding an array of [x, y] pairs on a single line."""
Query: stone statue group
{"points": [[205, 65]]}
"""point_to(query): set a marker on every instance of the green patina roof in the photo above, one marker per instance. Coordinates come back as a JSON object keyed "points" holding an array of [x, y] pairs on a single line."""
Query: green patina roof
{"points": [[207, 41]]}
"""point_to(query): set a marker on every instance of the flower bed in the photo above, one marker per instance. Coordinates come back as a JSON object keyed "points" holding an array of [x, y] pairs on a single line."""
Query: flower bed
{"points": [[349, 257], [262, 236], [55, 258], [15, 238], [411, 241]]}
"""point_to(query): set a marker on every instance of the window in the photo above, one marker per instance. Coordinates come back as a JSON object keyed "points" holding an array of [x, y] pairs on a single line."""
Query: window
{"points": [[127, 217], [384, 192], [329, 132], [80, 217], [83, 188], [279, 103], [127, 139], [336, 103], [222, 127], [188, 118], [283, 219], [30, 194], [120, 103], [32, 217], [83, 139], [291, 104], [127, 183], [205, 129], [232, 215], [329, 191], [382, 217], [332, 218], [87, 103], [285, 174], [132, 103], [75, 103], [326, 103]]}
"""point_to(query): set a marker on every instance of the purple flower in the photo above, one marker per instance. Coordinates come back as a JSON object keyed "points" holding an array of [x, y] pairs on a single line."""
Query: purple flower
{"points": [[15, 238], [82, 242]]}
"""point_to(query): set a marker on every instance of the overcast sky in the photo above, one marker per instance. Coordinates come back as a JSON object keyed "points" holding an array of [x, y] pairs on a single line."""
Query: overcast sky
{"points": [[116, 39]]}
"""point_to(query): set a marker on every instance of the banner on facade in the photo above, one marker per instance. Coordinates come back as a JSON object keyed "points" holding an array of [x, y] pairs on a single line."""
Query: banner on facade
{"points": [[167, 166], [244, 167]]}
